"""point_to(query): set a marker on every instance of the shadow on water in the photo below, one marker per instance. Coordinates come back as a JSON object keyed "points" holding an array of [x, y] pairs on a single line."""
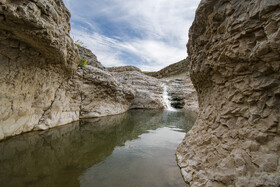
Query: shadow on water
{"points": [[76, 154]]}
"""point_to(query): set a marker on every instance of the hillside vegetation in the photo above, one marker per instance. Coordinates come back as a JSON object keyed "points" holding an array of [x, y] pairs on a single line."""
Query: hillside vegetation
{"points": [[171, 70]]}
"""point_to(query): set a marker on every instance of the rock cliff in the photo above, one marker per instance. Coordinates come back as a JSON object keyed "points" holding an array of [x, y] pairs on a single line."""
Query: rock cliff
{"points": [[90, 92], [36, 56], [41, 86], [148, 89], [235, 67]]}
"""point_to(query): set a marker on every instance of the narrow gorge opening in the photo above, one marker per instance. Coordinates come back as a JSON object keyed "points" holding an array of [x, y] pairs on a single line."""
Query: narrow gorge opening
{"points": [[98, 110]]}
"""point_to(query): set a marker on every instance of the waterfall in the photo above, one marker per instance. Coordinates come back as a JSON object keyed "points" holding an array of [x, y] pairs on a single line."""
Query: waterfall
{"points": [[166, 100]]}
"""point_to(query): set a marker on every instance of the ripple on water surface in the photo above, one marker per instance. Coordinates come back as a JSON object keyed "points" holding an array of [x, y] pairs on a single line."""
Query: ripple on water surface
{"points": [[136, 148]]}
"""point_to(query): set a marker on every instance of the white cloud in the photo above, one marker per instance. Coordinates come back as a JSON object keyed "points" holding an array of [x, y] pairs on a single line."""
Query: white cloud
{"points": [[156, 54], [163, 25], [103, 47]]}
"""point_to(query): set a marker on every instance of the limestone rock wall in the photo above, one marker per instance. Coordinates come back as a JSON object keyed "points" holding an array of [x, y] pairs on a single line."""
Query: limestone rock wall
{"points": [[235, 67], [36, 56], [90, 92], [40, 85], [103, 95], [148, 90]]}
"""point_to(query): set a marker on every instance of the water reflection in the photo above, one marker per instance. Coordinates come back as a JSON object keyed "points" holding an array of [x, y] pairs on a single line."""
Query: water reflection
{"points": [[80, 154]]}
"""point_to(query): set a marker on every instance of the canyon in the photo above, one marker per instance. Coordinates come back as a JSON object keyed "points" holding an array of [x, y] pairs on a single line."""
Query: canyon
{"points": [[231, 79], [41, 84]]}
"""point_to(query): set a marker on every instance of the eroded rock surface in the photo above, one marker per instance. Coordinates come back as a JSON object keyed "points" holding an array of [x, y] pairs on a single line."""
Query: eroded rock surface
{"points": [[40, 85], [90, 92], [235, 67], [123, 69], [148, 89], [36, 56]]}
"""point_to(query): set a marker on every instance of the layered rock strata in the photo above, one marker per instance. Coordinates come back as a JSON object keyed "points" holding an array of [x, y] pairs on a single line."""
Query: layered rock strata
{"points": [[235, 67], [148, 89]]}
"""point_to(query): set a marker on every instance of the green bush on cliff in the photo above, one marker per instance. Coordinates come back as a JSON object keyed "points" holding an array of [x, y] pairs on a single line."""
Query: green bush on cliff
{"points": [[79, 43], [83, 62]]}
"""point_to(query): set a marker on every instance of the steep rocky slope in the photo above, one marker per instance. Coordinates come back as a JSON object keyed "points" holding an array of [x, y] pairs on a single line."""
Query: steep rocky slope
{"points": [[235, 67], [88, 57]]}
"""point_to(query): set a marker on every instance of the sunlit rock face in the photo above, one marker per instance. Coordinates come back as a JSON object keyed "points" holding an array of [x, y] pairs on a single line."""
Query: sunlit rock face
{"points": [[36, 56], [235, 67]]}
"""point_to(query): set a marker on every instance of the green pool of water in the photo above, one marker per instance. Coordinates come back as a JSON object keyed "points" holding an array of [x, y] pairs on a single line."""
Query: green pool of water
{"points": [[133, 149]]}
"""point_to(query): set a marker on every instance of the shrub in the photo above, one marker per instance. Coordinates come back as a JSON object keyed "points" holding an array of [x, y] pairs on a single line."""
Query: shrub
{"points": [[79, 44], [83, 62]]}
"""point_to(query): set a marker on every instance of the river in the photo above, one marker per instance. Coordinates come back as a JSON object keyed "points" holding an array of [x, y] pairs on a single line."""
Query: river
{"points": [[133, 149]]}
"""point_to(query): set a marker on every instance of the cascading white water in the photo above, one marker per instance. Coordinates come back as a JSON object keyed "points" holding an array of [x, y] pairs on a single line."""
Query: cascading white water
{"points": [[166, 100]]}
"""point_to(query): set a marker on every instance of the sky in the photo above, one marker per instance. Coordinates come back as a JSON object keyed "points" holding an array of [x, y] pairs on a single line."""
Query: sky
{"points": [[148, 34]]}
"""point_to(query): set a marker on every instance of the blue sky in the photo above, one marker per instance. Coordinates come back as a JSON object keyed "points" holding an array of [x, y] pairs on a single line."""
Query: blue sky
{"points": [[149, 34]]}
